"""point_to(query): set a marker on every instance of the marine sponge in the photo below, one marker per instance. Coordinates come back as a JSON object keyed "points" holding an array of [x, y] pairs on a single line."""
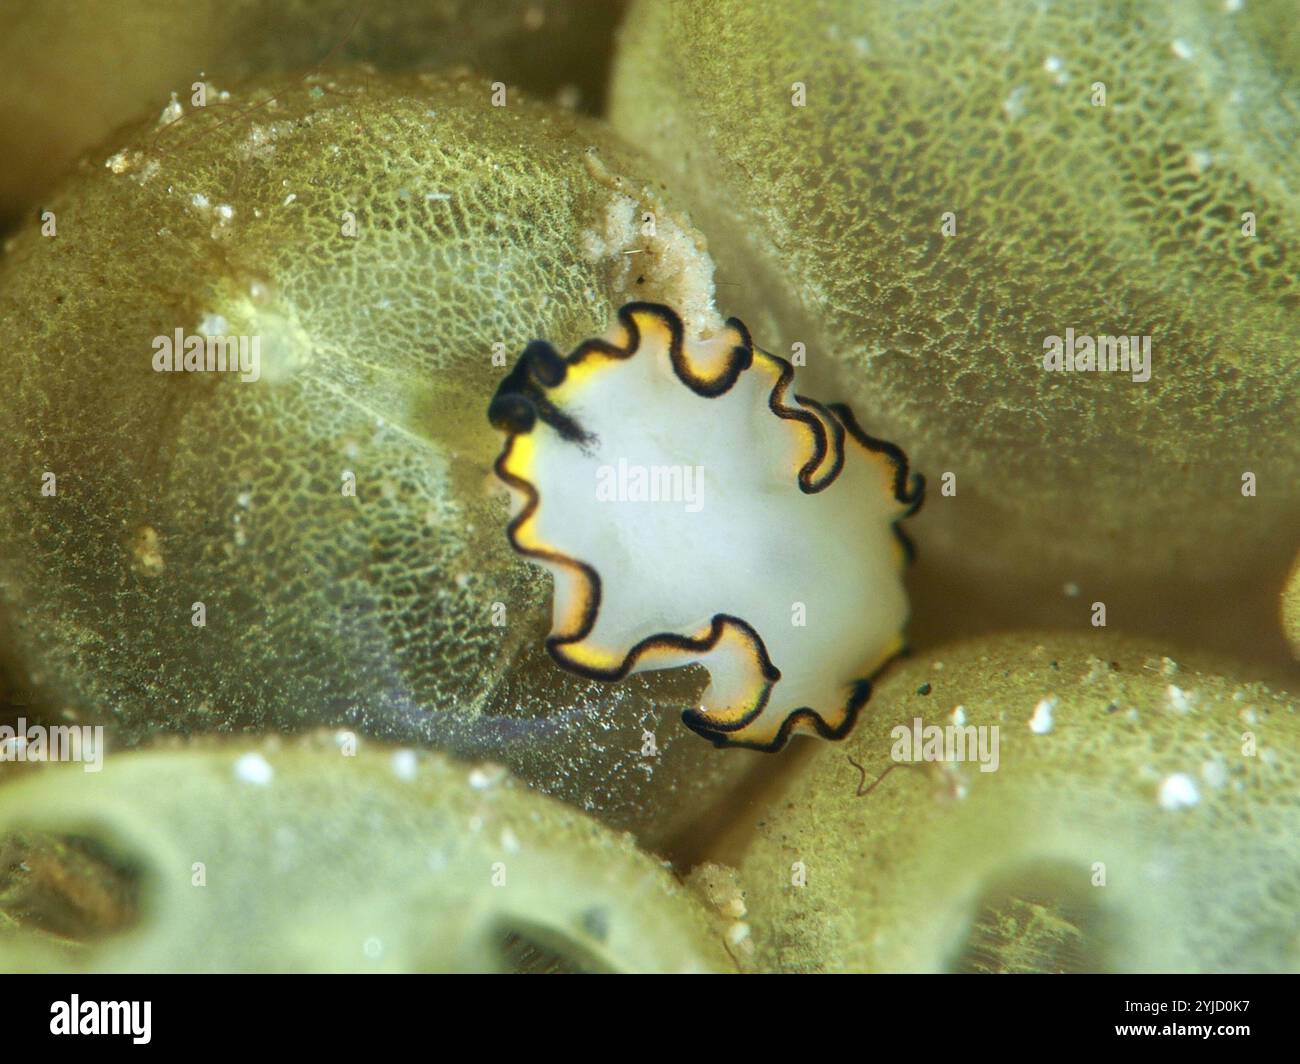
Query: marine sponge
{"points": [[1290, 608], [314, 856], [924, 193], [1114, 810], [71, 72], [192, 551]]}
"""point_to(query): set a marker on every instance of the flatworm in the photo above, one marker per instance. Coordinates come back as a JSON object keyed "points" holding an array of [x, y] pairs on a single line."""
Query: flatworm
{"points": [[691, 508]]}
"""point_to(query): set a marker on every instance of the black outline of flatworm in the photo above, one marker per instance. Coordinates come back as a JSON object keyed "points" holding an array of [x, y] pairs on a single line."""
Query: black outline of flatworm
{"points": [[521, 400]]}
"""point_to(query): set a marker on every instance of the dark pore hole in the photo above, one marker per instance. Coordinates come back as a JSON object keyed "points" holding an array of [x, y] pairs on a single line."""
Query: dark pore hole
{"points": [[69, 886], [1043, 917], [539, 950]]}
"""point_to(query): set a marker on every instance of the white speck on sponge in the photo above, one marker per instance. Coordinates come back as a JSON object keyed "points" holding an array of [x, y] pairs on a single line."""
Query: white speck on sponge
{"points": [[405, 765], [1014, 105], [1178, 792], [171, 113], [1215, 771], [1179, 700], [1053, 65], [486, 776], [1040, 723], [254, 768]]}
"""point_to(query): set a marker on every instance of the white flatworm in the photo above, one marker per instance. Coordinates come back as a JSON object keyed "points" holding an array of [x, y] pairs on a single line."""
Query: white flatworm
{"points": [[692, 508]]}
